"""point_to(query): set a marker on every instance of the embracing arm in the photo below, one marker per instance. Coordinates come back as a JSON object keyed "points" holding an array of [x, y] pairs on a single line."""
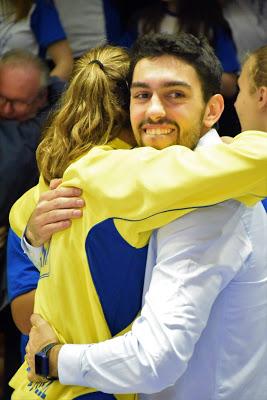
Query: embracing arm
{"points": [[22, 309], [175, 178], [188, 276], [53, 213], [22, 282]]}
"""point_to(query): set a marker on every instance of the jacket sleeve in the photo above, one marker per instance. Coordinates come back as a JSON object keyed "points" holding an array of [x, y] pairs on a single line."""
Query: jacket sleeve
{"points": [[143, 182]]}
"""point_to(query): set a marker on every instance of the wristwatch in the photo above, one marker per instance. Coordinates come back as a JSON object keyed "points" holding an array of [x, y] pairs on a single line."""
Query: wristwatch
{"points": [[42, 361]]}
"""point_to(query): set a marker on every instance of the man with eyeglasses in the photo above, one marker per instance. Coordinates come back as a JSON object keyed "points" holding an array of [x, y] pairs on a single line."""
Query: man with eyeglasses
{"points": [[21, 108], [27, 94], [23, 87]]}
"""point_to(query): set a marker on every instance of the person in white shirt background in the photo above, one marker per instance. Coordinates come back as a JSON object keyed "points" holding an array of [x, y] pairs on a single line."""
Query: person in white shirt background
{"points": [[202, 330]]}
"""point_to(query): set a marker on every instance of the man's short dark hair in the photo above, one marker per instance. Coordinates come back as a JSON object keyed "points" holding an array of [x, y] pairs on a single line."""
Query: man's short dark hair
{"points": [[195, 51]]}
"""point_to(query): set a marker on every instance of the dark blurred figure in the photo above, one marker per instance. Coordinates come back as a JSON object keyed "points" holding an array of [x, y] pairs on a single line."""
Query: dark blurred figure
{"points": [[27, 95], [92, 23]]}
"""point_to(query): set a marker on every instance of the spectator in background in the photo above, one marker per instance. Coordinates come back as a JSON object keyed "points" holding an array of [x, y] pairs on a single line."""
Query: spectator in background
{"points": [[27, 94], [248, 21], [35, 26], [96, 22], [84, 24], [200, 18], [251, 102]]}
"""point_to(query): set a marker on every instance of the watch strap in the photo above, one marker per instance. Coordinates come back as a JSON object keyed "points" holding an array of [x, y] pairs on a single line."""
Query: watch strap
{"points": [[47, 348]]}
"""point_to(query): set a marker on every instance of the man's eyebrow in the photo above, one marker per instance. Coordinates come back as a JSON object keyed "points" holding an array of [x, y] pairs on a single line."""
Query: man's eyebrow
{"points": [[139, 85], [165, 84], [176, 83]]}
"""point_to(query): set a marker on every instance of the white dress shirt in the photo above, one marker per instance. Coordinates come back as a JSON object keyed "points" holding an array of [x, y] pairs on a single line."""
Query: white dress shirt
{"points": [[202, 333]]}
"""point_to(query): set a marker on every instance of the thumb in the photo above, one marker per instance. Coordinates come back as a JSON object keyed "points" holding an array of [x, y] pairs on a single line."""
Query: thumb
{"points": [[54, 183]]}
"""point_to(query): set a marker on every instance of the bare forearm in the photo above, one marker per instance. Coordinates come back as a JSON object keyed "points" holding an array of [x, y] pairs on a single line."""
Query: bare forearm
{"points": [[61, 55], [22, 309]]}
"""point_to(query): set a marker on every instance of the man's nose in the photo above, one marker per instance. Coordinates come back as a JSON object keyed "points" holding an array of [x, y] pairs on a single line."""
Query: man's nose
{"points": [[155, 108]]}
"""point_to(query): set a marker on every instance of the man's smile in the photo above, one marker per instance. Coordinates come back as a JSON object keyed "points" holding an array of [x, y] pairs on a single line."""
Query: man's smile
{"points": [[158, 131]]}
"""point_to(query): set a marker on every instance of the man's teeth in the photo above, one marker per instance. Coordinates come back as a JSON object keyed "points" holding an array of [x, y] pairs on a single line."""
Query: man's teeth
{"points": [[158, 131]]}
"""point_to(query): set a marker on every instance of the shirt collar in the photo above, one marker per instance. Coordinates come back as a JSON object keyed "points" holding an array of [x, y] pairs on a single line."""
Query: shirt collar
{"points": [[210, 138]]}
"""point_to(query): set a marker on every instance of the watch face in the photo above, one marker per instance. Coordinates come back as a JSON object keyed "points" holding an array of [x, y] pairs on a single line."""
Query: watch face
{"points": [[41, 364]]}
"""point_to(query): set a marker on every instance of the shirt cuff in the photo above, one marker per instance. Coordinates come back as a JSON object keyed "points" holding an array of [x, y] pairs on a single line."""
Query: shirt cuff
{"points": [[34, 253], [70, 370]]}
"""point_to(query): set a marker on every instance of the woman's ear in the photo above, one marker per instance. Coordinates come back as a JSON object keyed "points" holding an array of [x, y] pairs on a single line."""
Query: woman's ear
{"points": [[214, 109]]}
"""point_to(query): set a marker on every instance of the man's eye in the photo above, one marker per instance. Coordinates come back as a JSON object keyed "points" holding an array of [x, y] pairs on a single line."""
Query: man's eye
{"points": [[141, 96], [176, 95]]}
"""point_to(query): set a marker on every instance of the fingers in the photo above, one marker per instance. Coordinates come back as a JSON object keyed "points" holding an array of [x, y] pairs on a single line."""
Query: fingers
{"points": [[61, 192], [29, 358], [41, 227], [46, 205], [53, 213], [36, 320], [41, 333], [48, 230]]}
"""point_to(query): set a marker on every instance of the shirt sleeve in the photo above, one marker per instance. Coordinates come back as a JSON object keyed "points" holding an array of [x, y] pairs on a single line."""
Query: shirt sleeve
{"points": [[46, 25], [22, 275], [194, 262], [35, 254]]}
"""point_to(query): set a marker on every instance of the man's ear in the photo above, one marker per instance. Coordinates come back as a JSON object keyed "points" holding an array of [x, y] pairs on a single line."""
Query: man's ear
{"points": [[262, 97], [214, 109], [42, 98]]}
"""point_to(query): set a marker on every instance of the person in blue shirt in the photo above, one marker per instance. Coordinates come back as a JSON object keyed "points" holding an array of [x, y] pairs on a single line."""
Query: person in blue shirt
{"points": [[36, 26]]}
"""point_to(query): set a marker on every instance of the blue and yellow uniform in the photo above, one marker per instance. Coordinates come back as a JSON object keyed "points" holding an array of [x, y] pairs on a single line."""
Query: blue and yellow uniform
{"points": [[91, 279]]}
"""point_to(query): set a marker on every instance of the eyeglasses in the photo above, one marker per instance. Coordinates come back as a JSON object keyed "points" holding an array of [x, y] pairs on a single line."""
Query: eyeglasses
{"points": [[17, 104]]}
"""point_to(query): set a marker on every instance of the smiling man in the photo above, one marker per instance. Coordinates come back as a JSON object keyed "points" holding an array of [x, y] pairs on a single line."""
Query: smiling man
{"points": [[169, 108], [197, 326]]}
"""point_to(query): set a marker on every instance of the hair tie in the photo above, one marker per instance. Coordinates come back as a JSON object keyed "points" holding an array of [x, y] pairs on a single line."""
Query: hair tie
{"points": [[99, 63]]}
